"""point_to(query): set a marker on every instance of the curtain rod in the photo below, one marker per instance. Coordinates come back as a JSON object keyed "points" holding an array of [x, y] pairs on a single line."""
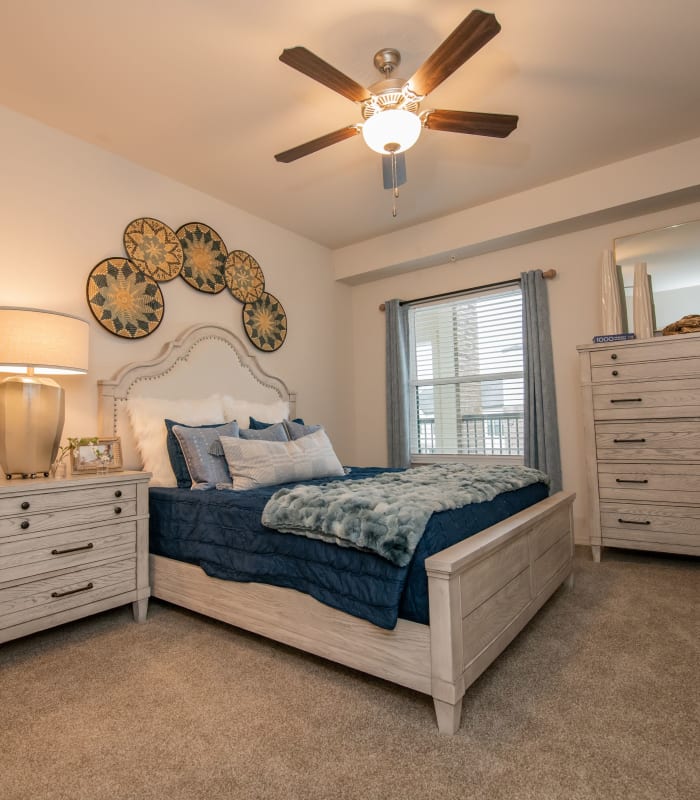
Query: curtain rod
{"points": [[548, 273]]}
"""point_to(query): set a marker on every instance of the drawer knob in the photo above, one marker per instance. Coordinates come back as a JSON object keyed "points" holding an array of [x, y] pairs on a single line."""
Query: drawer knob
{"points": [[25, 505], [118, 493], [614, 356], [24, 524], [117, 509], [615, 373], [633, 521], [72, 591]]}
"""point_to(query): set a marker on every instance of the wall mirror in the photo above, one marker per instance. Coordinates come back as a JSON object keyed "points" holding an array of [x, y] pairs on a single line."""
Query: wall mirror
{"points": [[672, 256]]}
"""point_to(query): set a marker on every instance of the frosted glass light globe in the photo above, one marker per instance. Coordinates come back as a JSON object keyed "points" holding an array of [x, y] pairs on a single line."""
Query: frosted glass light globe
{"points": [[393, 130]]}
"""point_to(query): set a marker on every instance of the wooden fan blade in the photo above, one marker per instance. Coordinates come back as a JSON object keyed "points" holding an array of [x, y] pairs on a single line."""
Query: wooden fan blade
{"points": [[465, 40], [305, 61], [317, 144], [499, 125]]}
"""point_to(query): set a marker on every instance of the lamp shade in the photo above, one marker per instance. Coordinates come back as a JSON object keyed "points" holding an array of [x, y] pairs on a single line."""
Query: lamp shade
{"points": [[47, 341], [391, 131]]}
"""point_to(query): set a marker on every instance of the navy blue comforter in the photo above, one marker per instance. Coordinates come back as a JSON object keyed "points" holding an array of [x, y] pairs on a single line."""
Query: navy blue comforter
{"points": [[221, 532]]}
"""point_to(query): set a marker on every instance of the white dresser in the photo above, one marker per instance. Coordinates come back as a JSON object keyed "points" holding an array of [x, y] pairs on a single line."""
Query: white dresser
{"points": [[72, 547], [641, 405]]}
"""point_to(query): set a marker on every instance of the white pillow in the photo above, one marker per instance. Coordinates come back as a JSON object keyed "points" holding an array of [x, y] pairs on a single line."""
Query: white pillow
{"points": [[256, 462], [242, 410], [148, 415]]}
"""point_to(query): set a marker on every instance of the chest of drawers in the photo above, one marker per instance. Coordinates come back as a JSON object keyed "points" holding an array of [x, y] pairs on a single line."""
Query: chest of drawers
{"points": [[69, 548], [641, 406]]}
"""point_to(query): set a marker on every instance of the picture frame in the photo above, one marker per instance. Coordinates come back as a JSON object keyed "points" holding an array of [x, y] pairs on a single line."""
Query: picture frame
{"points": [[103, 454]]}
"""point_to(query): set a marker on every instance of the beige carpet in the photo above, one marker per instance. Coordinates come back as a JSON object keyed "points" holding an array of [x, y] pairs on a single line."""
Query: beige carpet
{"points": [[597, 698]]}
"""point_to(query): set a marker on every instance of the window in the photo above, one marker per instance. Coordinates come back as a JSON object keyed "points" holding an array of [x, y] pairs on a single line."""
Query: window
{"points": [[466, 375]]}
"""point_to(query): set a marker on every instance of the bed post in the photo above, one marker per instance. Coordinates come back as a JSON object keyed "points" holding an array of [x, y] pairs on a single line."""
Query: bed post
{"points": [[446, 656]]}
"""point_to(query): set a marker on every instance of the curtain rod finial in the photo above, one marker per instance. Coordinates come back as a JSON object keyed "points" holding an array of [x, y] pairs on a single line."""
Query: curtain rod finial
{"points": [[382, 306]]}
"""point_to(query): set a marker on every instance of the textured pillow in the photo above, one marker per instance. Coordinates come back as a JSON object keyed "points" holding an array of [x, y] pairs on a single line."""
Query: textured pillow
{"points": [[242, 410], [272, 433], [147, 416], [257, 425], [206, 470], [296, 428], [176, 456], [253, 463]]}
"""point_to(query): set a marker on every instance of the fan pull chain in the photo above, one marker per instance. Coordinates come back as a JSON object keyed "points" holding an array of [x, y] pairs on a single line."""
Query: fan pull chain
{"points": [[394, 183]]}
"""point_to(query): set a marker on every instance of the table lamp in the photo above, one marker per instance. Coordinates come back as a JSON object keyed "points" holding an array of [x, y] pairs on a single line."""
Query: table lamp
{"points": [[33, 344]]}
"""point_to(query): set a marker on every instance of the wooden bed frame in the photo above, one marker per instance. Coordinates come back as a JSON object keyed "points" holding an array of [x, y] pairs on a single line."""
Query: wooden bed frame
{"points": [[482, 591]]}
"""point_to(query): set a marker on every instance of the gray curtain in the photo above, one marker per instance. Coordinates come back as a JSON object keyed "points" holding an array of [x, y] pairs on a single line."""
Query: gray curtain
{"points": [[397, 392], [541, 428]]}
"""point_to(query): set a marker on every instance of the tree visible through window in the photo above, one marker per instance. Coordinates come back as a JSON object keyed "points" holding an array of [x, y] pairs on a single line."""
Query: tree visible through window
{"points": [[467, 375]]}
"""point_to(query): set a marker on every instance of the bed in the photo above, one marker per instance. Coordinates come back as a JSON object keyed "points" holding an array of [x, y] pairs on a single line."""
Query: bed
{"points": [[482, 591]]}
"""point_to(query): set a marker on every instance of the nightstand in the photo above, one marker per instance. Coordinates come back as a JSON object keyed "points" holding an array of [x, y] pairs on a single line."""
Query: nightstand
{"points": [[70, 548]]}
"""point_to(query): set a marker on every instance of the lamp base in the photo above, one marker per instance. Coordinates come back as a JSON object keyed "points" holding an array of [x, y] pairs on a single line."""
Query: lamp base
{"points": [[32, 412]]}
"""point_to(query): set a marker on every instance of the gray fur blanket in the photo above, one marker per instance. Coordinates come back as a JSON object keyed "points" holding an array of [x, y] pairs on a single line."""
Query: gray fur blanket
{"points": [[387, 514]]}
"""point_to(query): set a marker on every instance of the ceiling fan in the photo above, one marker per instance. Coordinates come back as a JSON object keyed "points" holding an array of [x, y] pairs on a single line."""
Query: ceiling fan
{"points": [[391, 107]]}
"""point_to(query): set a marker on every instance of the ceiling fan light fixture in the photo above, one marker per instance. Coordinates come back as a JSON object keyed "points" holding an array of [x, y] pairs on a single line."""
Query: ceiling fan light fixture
{"points": [[393, 130]]}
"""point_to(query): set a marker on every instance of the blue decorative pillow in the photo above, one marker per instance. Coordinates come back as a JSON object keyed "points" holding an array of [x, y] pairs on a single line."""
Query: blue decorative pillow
{"points": [[177, 458], [296, 429], [206, 470], [270, 433], [256, 425]]}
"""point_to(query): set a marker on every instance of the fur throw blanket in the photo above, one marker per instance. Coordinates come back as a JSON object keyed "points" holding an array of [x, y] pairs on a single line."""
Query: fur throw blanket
{"points": [[387, 514]]}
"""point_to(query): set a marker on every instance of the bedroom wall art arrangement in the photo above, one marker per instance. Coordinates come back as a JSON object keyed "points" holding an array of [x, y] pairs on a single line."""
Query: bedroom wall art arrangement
{"points": [[124, 295]]}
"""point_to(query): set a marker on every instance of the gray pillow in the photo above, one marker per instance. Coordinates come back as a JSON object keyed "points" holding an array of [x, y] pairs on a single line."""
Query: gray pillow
{"points": [[206, 470], [295, 430], [273, 433]]}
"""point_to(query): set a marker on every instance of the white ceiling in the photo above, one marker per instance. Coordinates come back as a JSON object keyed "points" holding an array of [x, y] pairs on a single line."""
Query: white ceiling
{"points": [[194, 89]]}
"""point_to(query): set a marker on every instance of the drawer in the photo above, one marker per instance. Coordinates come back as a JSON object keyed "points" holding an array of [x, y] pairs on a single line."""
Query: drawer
{"points": [[648, 441], [612, 372], [647, 399], [664, 349], [657, 483], [52, 595], [29, 524], [651, 524], [31, 502], [22, 558]]}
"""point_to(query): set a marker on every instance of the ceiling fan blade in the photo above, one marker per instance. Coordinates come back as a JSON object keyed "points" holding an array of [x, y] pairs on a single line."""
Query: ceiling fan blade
{"points": [[499, 125], [317, 144], [466, 39], [305, 61]]}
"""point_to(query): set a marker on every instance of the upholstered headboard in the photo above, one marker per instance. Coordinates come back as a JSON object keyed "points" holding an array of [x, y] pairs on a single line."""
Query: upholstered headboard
{"points": [[203, 360]]}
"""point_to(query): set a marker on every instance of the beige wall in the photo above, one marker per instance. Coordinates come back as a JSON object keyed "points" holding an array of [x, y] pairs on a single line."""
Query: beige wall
{"points": [[64, 206], [575, 310]]}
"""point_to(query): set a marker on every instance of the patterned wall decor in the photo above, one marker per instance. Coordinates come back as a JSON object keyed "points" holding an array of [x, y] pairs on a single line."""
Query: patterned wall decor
{"points": [[123, 299], [204, 257], [265, 322], [154, 248], [124, 296]]}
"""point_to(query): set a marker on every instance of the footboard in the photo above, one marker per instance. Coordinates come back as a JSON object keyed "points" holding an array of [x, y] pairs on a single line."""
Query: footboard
{"points": [[484, 590]]}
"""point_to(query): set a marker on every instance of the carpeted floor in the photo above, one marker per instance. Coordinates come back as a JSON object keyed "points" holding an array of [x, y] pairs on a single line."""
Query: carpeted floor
{"points": [[597, 698]]}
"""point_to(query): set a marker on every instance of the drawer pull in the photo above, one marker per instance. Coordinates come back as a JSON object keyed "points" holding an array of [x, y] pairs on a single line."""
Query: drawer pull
{"points": [[631, 480], [118, 493], [627, 441], [633, 521], [117, 509], [24, 524], [73, 591], [628, 400], [25, 505], [615, 373], [88, 546]]}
